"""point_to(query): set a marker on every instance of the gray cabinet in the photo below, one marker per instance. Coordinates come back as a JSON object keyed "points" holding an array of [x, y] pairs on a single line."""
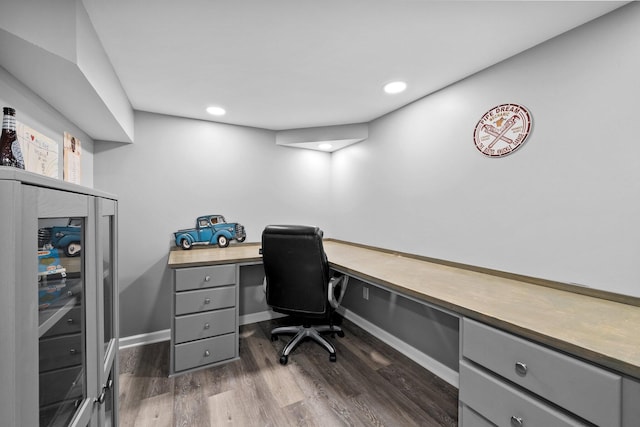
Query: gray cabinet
{"points": [[506, 380], [58, 311], [204, 317]]}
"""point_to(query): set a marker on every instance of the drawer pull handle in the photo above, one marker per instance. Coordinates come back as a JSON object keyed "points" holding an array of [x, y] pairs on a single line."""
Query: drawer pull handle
{"points": [[521, 368], [206, 353], [206, 326], [69, 321], [516, 421], [72, 351], [207, 300], [207, 278]]}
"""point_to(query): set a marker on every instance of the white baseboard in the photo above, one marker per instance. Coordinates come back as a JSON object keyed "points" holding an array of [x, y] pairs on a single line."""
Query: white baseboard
{"points": [[165, 335], [247, 319], [432, 365], [142, 339], [442, 371]]}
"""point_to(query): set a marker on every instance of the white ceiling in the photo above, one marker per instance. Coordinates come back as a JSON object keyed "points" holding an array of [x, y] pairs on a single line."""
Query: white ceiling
{"points": [[287, 64]]}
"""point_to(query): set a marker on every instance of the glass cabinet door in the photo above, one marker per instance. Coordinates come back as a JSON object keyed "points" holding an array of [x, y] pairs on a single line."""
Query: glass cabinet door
{"points": [[109, 417], [107, 306], [65, 302], [107, 295], [61, 314]]}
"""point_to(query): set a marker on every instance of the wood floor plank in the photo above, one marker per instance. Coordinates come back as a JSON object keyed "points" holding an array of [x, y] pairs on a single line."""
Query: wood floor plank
{"points": [[367, 353], [257, 397], [155, 411], [225, 409], [387, 405], [128, 399], [190, 407], [277, 377], [370, 384], [436, 397], [324, 397]]}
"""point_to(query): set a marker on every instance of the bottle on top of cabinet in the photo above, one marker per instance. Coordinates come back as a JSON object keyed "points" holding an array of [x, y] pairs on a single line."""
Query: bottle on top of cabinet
{"points": [[10, 153]]}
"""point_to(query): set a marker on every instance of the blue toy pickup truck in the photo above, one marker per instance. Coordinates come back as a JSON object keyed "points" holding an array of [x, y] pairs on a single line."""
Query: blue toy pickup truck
{"points": [[66, 237], [210, 229]]}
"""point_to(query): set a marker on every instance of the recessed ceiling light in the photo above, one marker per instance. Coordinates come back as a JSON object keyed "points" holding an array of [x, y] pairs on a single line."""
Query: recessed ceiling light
{"points": [[216, 111], [395, 87], [325, 146]]}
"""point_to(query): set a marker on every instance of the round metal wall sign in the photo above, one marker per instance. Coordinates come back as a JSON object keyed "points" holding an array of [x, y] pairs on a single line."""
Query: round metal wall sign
{"points": [[502, 130]]}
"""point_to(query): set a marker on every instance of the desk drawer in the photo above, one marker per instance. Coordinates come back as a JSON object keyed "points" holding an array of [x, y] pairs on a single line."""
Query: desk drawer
{"points": [[204, 352], [471, 418], [205, 277], [205, 299], [504, 405], [586, 390], [208, 324]]}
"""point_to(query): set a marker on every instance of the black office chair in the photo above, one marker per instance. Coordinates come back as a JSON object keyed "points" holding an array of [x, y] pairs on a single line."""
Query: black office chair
{"points": [[298, 283]]}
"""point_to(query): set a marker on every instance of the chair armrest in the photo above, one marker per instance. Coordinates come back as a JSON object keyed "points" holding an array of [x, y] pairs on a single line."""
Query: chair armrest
{"points": [[339, 283]]}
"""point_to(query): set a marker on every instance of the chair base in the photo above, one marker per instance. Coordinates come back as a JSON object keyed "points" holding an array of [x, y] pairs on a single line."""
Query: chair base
{"points": [[301, 332]]}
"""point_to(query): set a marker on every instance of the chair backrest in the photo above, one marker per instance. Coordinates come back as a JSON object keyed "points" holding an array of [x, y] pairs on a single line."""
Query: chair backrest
{"points": [[296, 269]]}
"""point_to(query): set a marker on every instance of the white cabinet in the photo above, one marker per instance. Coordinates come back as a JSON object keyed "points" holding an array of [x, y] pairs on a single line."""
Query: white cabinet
{"points": [[510, 381], [58, 311], [204, 318]]}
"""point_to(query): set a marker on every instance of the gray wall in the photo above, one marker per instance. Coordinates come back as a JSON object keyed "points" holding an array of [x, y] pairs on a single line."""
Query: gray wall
{"points": [[252, 299], [178, 169], [34, 112], [564, 207], [431, 331]]}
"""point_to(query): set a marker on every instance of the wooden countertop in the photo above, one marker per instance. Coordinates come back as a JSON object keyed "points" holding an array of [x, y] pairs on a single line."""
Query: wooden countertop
{"points": [[212, 255], [602, 331]]}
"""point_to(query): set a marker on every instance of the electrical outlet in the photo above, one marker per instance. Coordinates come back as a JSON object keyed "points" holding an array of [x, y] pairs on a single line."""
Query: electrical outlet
{"points": [[365, 292]]}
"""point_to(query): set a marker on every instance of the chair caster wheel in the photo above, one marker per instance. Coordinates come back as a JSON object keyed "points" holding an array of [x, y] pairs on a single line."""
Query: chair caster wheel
{"points": [[284, 360], [274, 338], [340, 334], [332, 357]]}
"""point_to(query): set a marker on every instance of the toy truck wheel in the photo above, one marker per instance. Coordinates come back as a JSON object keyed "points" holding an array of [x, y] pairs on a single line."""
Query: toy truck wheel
{"points": [[185, 244], [242, 239], [223, 242], [73, 249]]}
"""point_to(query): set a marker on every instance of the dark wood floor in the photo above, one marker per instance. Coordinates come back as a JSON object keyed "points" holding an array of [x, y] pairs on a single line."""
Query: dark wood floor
{"points": [[370, 385]]}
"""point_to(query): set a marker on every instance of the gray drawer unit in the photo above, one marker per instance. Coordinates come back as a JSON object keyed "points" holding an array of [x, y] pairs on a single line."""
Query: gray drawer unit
{"points": [[205, 300], [583, 389], [504, 405], [204, 325], [204, 317], [205, 352], [630, 399], [205, 277]]}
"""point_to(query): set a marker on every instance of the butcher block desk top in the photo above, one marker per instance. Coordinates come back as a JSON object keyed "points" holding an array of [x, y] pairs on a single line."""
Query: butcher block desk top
{"points": [[596, 329]]}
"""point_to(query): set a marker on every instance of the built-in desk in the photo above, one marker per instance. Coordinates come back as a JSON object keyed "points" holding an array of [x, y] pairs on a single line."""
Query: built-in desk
{"points": [[595, 330]]}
